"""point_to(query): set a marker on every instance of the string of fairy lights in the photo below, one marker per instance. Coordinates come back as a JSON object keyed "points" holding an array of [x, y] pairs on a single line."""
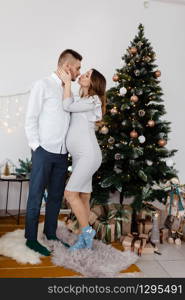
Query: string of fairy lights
{"points": [[12, 111]]}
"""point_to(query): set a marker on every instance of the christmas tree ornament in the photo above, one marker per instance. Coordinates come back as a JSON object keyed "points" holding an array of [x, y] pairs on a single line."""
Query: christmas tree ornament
{"points": [[170, 163], [133, 134], [115, 77], [123, 91], [149, 163], [134, 98], [104, 130], [124, 123], [114, 111], [141, 139], [137, 72], [117, 156], [157, 73], [70, 168], [141, 113], [162, 142], [151, 123], [111, 140], [133, 50]]}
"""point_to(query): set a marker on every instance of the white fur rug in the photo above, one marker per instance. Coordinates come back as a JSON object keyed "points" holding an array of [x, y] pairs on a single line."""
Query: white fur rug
{"points": [[103, 261]]}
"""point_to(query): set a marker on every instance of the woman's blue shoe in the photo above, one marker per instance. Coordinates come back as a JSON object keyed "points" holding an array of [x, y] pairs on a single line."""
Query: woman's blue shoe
{"points": [[88, 234], [80, 244], [85, 239]]}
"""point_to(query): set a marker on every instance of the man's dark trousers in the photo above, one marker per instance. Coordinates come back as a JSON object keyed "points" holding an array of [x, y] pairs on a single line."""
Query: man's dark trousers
{"points": [[48, 171]]}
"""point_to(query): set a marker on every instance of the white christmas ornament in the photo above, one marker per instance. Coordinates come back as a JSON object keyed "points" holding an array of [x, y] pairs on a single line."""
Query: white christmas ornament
{"points": [[123, 91], [141, 139], [169, 163], [149, 162]]}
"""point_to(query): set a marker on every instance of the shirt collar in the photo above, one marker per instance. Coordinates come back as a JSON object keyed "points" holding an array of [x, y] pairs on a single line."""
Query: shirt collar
{"points": [[57, 79]]}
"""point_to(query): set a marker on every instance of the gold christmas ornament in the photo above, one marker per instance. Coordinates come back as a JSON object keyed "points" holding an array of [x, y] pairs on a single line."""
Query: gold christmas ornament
{"points": [[157, 73], [162, 142], [115, 77], [104, 130], [133, 134], [151, 123], [134, 98], [114, 111], [133, 50]]}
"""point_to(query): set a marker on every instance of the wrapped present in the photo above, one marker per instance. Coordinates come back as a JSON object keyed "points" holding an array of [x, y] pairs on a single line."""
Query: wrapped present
{"points": [[148, 249], [164, 234], [99, 210], [92, 217], [144, 213], [111, 221], [105, 229], [144, 225]]}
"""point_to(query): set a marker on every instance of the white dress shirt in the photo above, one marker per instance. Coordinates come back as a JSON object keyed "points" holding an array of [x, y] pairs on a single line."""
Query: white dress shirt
{"points": [[46, 122]]}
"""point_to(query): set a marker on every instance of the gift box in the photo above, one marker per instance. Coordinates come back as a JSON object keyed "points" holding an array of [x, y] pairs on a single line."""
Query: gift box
{"points": [[110, 221], [92, 217], [148, 249], [105, 229], [99, 210]]}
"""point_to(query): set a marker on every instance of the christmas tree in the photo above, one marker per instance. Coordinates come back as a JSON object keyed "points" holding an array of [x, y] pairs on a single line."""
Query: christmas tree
{"points": [[133, 134]]}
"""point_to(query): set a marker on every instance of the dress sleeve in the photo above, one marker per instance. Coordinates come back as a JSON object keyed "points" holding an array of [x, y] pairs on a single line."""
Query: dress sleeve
{"points": [[82, 105]]}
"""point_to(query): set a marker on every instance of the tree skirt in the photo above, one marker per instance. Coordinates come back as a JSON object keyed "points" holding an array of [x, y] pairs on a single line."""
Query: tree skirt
{"points": [[103, 261]]}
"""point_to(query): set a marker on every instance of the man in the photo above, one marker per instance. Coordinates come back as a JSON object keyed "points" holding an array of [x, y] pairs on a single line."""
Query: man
{"points": [[46, 128]]}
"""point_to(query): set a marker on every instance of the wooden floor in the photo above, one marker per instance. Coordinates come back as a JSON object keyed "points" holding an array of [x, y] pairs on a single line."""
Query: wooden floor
{"points": [[9, 268]]}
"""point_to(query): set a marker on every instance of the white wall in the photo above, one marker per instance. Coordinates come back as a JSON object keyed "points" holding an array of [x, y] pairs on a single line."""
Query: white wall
{"points": [[34, 32]]}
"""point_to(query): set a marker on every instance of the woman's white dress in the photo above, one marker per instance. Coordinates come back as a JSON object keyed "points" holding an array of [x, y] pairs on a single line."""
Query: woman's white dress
{"points": [[82, 143]]}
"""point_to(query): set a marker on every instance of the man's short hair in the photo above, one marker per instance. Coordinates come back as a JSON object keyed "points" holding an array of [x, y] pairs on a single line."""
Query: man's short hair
{"points": [[66, 54]]}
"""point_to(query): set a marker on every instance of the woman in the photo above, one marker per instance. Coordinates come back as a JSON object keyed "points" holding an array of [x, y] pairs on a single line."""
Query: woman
{"points": [[82, 144]]}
